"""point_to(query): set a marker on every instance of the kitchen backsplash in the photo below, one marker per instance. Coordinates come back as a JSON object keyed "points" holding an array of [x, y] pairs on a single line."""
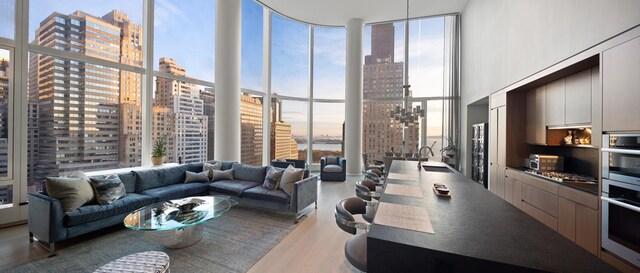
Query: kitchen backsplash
{"points": [[576, 160]]}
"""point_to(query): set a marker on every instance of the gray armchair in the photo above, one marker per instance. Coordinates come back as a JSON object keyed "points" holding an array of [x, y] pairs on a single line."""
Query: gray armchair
{"points": [[333, 168]]}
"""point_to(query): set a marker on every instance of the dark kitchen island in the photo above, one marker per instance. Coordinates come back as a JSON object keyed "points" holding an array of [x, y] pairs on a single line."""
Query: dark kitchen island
{"points": [[474, 231]]}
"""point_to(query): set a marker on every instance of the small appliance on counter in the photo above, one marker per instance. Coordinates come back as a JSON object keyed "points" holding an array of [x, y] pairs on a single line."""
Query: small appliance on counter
{"points": [[541, 163]]}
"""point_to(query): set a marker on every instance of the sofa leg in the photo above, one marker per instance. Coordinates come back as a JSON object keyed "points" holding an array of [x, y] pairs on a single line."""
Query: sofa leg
{"points": [[52, 249]]}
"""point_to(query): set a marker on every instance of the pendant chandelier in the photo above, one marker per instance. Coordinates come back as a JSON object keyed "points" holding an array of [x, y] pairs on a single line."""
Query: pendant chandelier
{"points": [[407, 115]]}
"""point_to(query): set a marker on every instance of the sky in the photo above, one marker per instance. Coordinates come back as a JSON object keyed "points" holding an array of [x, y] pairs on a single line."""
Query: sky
{"points": [[186, 33]]}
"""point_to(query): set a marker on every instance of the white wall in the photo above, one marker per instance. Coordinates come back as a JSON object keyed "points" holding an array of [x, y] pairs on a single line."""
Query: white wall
{"points": [[504, 41]]}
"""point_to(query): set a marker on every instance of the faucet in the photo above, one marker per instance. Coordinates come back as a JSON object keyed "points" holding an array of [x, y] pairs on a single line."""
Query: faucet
{"points": [[420, 153]]}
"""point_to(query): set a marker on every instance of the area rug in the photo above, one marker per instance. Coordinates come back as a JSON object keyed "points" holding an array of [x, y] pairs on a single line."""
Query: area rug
{"points": [[231, 243]]}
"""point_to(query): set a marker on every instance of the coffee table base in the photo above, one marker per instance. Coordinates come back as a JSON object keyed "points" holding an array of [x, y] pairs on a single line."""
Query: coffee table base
{"points": [[175, 238]]}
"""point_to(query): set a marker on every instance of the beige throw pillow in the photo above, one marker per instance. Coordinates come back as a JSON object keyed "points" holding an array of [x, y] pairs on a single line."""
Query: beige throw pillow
{"points": [[290, 176], [72, 191], [208, 167]]}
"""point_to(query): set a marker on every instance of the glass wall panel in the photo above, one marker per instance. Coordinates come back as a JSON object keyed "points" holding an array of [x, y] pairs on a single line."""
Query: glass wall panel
{"points": [[81, 116], [182, 114], [109, 30], [329, 62], [5, 115], [289, 57], [7, 18], [288, 129], [328, 130], [186, 33], [381, 135], [6, 196], [251, 129], [426, 57], [251, 60], [434, 127]]}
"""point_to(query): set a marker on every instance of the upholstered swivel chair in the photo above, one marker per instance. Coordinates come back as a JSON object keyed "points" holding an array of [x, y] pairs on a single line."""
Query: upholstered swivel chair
{"points": [[355, 249], [377, 164], [333, 168], [375, 176], [366, 190]]}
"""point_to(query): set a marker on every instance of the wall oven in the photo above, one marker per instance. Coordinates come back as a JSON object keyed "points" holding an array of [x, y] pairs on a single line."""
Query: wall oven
{"points": [[621, 196]]}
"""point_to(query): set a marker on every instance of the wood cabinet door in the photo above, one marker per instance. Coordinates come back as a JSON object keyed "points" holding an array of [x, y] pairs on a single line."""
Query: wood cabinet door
{"points": [[536, 131], [578, 98], [543, 200], [493, 150], [567, 219], [517, 194], [587, 229], [508, 189], [621, 87], [555, 103]]}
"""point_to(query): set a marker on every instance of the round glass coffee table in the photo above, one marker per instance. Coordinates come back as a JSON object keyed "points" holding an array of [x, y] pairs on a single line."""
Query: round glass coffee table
{"points": [[177, 223]]}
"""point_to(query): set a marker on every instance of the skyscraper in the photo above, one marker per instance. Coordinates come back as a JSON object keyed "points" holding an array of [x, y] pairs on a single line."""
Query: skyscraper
{"points": [[179, 116], [383, 79], [131, 38], [283, 146], [209, 103], [78, 122], [251, 129], [4, 108]]}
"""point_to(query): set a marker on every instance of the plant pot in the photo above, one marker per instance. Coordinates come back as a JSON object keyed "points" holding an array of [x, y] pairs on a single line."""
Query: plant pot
{"points": [[156, 161]]}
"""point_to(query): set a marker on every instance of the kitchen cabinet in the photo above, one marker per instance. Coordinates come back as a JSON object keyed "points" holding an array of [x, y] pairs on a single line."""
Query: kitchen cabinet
{"points": [[567, 219], [513, 187], [578, 98], [620, 81], [578, 218], [497, 149], [540, 200], [536, 125], [555, 103]]}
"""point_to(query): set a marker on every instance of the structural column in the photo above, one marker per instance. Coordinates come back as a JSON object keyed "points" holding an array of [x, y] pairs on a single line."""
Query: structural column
{"points": [[353, 98], [227, 80]]}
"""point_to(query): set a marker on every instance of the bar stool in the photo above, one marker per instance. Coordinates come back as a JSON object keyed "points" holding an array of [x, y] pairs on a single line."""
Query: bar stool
{"points": [[365, 189], [375, 175], [355, 249]]}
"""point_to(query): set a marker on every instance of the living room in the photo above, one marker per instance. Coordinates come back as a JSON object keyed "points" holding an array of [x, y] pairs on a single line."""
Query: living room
{"points": [[282, 136]]}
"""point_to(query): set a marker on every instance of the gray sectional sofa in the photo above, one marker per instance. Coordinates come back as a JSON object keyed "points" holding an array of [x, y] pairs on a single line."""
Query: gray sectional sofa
{"points": [[48, 222]]}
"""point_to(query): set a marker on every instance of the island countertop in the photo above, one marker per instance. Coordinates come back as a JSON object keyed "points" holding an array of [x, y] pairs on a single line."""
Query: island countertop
{"points": [[474, 231]]}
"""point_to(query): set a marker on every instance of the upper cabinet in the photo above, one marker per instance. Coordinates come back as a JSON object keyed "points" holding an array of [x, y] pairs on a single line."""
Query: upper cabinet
{"points": [[554, 103], [578, 98], [621, 87], [536, 125]]}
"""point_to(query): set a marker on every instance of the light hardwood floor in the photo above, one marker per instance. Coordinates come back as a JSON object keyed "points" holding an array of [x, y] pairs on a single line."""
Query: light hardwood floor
{"points": [[316, 245]]}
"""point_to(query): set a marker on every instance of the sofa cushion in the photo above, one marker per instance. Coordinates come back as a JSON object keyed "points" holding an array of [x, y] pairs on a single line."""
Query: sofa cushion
{"points": [[177, 191], [248, 173], [129, 181], [196, 177], [262, 193], [234, 187], [92, 213], [194, 167], [330, 160], [332, 169], [73, 191], [107, 190], [225, 164], [155, 178]]}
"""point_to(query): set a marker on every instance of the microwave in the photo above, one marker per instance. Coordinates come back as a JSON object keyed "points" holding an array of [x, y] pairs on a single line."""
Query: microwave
{"points": [[540, 163]]}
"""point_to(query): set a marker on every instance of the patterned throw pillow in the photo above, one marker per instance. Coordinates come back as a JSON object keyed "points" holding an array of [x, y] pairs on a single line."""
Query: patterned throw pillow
{"points": [[107, 190], [222, 175], [272, 179], [290, 176], [201, 177], [72, 191]]}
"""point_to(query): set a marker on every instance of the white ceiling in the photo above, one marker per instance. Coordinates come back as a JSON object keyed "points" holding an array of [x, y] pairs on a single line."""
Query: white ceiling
{"points": [[338, 12]]}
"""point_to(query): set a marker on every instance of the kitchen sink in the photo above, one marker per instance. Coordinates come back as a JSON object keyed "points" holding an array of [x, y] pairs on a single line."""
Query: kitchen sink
{"points": [[436, 169]]}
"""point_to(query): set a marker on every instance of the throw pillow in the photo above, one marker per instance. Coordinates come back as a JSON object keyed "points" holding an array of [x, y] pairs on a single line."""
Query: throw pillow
{"points": [[222, 175], [211, 167], [272, 178], [109, 189], [290, 176], [72, 191], [201, 177]]}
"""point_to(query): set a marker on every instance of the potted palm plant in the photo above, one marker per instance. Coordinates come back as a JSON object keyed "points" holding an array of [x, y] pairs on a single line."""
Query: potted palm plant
{"points": [[159, 152], [450, 149]]}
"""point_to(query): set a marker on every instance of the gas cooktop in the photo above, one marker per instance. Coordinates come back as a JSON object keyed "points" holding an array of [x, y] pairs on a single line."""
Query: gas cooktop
{"points": [[564, 177]]}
